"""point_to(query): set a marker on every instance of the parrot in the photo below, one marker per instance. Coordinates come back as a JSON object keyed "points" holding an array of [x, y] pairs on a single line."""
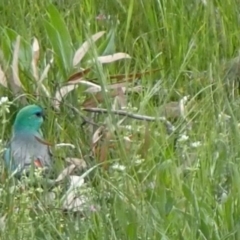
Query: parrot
{"points": [[27, 147]]}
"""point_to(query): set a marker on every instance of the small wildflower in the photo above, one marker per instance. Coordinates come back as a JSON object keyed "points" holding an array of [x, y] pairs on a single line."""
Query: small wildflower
{"points": [[93, 208], [224, 197], [183, 138], [3, 100], [196, 144], [139, 161], [118, 167], [152, 185], [223, 117], [4, 104]]}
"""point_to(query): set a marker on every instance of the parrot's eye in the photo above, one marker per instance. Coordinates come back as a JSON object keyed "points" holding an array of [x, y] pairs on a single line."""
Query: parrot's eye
{"points": [[39, 114]]}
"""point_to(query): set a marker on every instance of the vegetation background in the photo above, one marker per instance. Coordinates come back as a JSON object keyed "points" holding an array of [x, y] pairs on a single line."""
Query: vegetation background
{"points": [[151, 189]]}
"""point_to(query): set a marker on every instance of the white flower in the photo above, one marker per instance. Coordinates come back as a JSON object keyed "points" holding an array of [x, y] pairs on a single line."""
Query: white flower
{"points": [[196, 144], [4, 104], [3, 100], [183, 138], [118, 167], [139, 161], [223, 117]]}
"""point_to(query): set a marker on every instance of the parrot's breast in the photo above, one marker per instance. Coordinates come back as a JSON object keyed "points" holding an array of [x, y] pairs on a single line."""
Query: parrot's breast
{"points": [[27, 149]]}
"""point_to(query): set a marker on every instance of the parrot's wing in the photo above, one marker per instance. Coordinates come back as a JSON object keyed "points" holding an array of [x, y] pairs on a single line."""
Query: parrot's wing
{"points": [[7, 156], [41, 140]]}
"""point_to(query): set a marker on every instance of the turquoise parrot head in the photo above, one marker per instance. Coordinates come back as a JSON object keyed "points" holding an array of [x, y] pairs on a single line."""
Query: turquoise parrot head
{"points": [[29, 118]]}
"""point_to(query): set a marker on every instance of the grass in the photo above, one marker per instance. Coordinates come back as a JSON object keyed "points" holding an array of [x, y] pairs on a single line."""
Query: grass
{"points": [[155, 191]]}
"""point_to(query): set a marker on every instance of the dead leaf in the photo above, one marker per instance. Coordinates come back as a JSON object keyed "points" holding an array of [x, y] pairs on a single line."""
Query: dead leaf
{"points": [[104, 150], [3, 80], [174, 110], [170, 110], [35, 58], [3, 222], [93, 89], [61, 93], [42, 77], [16, 80], [65, 145], [97, 98], [121, 97], [113, 58], [80, 163], [130, 76], [74, 203], [80, 53], [84, 82], [79, 75], [46, 70], [100, 149], [65, 173], [108, 87], [101, 17], [136, 89], [98, 134], [182, 106], [76, 181], [49, 197]]}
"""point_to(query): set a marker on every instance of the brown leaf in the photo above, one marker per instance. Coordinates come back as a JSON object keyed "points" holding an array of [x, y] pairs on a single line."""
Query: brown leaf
{"points": [[137, 89], [174, 110], [97, 98], [17, 85], [79, 75], [170, 110], [104, 150], [121, 97], [80, 53], [80, 163], [35, 58], [131, 76], [65, 173], [98, 134], [3, 80], [113, 58], [120, 100], [61, 93], [101, 17], [95, 89]]}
